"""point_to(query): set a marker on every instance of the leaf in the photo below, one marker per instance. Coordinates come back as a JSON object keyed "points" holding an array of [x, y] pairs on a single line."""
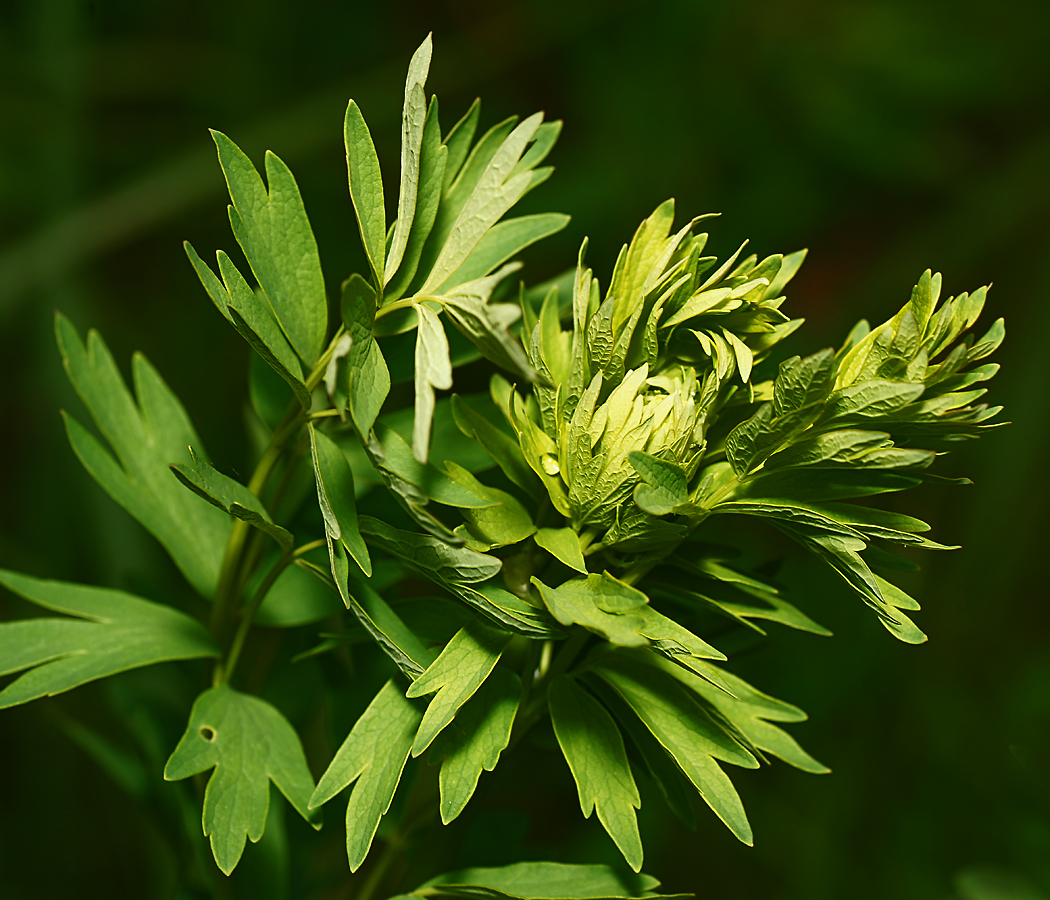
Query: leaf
{"points": [[458, 142], [496, 191], [146, 437], [804, 381], [752, 713], [430, 556], [504, 449], [374, 755], [275, 235], [506, 522], [867, 400], [433, 370], [543, 881], [366, 188], [454, 676], [487, 325], [412, 121], [298, 596], [112, 632], [369, 377], [664, 486], [249, 744], [564, 545], [688, 733], [600, 603], [593, 748], [335, 496], [230, 496], [503, 241], [474, 740], [248, 313], [431, 481]]}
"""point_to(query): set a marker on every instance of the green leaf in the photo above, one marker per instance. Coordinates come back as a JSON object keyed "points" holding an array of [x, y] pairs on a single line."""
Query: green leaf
{"points": [[474, 740], [113, 632], [430, 556], [366, 188], [249, 744], [804, 381], [868, 400], [248, 313], [503, 241], [298, 597], [412, 121], [752, 713], [383, 625], [454, 676], [664, 486], [146, 437], [593, 748], [507, 522], [543, 881], [272, 229], [487, 325], [564, 545], [504, 449], [374, 755], [230, 496], [496, 191], [433, 370], [600, 603], [369, 377], [335, 495], [458, 142], [686, 731]]}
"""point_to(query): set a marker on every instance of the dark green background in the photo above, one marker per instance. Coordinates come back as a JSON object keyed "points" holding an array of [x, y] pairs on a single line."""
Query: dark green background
{"points": [[887, 136]]}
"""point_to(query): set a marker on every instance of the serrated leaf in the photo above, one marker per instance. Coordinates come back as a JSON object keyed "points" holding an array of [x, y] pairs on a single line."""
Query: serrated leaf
{"points": [[369, 377], [544, 881], [271, 226], [366, 188], [335, 496], [474, 740], [249, 744], [454, 676], [230, 496], [146, 437], [433, 370], [600, 603], [564, 545], [373, 755], [804, 381], [412, 121], [593, 748], [112, 632], [688, 733]]}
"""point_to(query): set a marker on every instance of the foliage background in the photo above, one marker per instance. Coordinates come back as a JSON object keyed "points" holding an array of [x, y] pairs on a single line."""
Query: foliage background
{"points": [[885, 135]]}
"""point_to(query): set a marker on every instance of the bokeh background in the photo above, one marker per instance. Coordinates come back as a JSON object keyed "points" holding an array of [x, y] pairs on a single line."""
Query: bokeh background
{"points": [[886, 136]]}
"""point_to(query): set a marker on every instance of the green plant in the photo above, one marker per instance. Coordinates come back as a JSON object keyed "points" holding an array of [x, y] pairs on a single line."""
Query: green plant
{"points": [[563, 515]]}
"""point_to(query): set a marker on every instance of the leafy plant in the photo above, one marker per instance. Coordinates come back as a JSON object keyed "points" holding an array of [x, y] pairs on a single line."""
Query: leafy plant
{"points": [[543, 551]]}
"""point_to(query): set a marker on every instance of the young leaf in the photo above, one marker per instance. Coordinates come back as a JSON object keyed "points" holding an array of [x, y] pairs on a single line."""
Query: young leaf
{"points": [[112, 632], [501, 446], [335, 495], [412, 121], [564, 545], [147, 437], [600, 603], [374, 755], [507, 522], [593, 748], [369, 376], [688, 733], [454, 676], [366, 189], [664, 486], [230, 496], [272, 229], [249, 744], [474, 740], [433, 370]]}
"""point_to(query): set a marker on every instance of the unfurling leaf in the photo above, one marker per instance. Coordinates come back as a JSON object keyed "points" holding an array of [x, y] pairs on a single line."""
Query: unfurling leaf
{"points": [[249, 744]]}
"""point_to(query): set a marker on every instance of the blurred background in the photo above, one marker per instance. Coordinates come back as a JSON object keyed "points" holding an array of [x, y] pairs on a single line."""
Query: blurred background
{"points": [[887, 136]]}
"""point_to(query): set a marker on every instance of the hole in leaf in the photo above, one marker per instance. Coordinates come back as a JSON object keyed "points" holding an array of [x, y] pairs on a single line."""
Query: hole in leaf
{"points": [[207, 733]]}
